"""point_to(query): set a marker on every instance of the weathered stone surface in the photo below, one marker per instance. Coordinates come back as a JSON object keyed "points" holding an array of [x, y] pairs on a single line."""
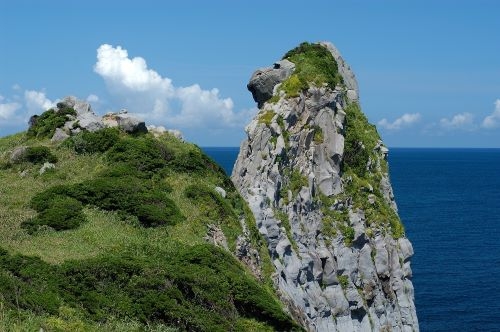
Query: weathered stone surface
{"points": [[131, 124], [17, 154], [264, 80], [216, 236], [221, 191], [345, 71], [327, 282], [45, 167], [59, 135]]}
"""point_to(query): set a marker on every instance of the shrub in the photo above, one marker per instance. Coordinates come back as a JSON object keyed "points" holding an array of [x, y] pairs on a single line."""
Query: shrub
{"points": [[28, 283], [313, 64], [193, 160], [266, 117], [360, 140], [92, 142], [348, 233], [194, 288], [39, 155], [318, 136], [297, 181], [59, 212], [144, 153], [293, 85], [45, 125], [129, 195], [343, 281]]}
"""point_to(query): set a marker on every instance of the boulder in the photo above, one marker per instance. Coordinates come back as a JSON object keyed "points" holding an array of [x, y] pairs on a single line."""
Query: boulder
{"points": [[17, 154], [125, 121], [264, 80], [131, 124], [221, 191], [46, 166], [59, 135]]}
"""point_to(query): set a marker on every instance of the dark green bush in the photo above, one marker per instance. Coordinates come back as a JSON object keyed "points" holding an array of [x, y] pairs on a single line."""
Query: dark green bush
{"points": [[145, 154], [58, 212], [39, 155], [129, 195], [28, 283], [194, 161], [199, 288], [92, 142], [45, 125]]}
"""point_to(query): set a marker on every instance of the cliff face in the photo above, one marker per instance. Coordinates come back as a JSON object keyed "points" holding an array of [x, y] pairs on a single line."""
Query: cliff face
{"points": [[315, 175]]}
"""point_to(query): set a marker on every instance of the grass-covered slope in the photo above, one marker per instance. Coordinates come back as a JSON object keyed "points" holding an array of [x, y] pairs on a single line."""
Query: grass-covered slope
{"points": [[113, 238]]}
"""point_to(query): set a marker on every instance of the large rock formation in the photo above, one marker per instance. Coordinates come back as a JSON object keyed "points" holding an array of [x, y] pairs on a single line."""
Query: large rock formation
{"points": [[314, 173]]}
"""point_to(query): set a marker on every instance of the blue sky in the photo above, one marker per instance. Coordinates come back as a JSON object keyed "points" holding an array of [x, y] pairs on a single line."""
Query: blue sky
{"points": [[428, 71]]}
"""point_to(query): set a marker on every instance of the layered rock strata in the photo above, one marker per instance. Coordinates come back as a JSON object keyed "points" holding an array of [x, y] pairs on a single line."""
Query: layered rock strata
{"points": [[315, 176]]}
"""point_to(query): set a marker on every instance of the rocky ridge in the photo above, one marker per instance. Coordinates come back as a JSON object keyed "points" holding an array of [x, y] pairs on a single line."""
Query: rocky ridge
{"points": [[315, 176], [85, 118]]}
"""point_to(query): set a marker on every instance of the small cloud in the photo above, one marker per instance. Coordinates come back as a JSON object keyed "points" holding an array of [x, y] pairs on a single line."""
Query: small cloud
{"points": [[154, 97], [16, 87], [463, 121], [405, 120], [92, 98], [8, 110], [493, 120], [36, 101]]}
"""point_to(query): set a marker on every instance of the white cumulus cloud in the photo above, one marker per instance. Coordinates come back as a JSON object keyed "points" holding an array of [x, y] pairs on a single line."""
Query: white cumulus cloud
{"points": [[493, 120], [8, 110], [93, 98], [36, 101], [154, 97], [459, 121], [405, 120]]}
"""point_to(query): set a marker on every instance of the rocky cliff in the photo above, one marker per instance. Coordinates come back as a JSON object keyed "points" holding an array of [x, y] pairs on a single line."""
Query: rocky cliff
{"points": [[315, 175]]}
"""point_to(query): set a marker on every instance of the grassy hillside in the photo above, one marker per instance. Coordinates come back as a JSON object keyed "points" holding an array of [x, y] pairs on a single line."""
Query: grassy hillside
{"points": [[113, 238]]}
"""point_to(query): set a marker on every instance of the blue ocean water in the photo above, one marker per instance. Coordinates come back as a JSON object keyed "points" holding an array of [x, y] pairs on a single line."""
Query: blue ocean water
{"points": [[449, 201]]}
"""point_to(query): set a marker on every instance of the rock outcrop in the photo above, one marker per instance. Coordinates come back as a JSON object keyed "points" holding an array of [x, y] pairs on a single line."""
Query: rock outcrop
{"points": [[264, 80], [315, 176], [86, 119]]}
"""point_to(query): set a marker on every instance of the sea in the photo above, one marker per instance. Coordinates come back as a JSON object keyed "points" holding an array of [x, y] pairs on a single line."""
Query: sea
{"points": [[449, 202]]}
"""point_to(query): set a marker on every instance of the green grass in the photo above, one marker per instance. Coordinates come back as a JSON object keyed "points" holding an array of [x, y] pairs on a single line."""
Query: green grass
{"points": [[318, 135], [266, 117], [343, 281], [361, 138]]}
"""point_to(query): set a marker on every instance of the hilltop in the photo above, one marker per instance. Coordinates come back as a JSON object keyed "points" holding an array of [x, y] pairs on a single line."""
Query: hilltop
{"points": [[106, 225]]}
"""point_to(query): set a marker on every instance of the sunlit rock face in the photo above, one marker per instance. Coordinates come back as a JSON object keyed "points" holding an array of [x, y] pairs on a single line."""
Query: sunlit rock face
{"points": [[315, 175]]}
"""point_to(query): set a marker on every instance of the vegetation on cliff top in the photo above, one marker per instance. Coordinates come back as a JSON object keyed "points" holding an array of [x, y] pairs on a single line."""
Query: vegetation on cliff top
{"points": [[112, 238], [314, 64]]}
